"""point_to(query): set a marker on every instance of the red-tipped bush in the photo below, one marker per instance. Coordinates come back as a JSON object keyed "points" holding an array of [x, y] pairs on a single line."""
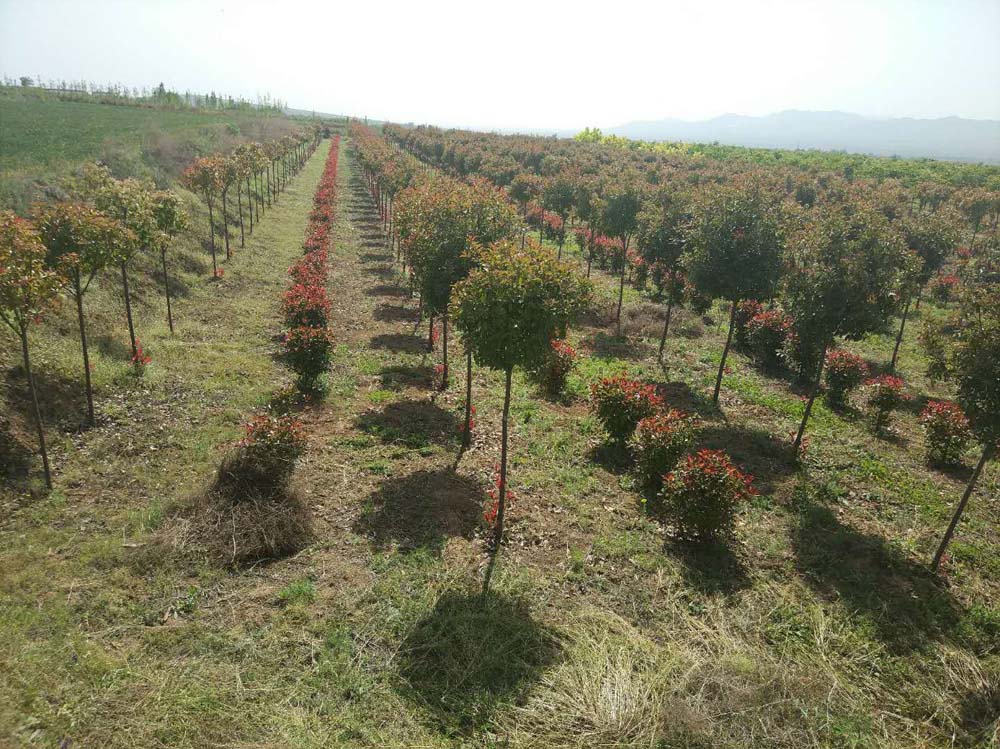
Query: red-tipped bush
{"points": [[557, 367], [766, 335], [621, 403], [264, 459], [701, 497], [884, 395], [745, 312], [306, 305], [307, 351], [947, 431], [658, 443], [843, 372], [943, 288]]}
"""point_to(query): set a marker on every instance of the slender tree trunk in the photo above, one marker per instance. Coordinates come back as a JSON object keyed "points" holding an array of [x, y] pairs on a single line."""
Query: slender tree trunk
{"points": [[987, 453], [34, 402], [211, 234], [920, 294], [250, 207], [502, 497], [128, 311], [899, 336], [225, 225], [166, 290], [78, 293], [725, 352], [430, 331], [239, 202], [559, 254], [269, 186], [621, 288], [666, 325], [444, 352], [467, 432], [812, 398]]}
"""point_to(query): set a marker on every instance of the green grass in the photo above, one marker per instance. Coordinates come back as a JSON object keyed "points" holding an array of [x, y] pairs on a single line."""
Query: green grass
{"points": [[819, 627]]}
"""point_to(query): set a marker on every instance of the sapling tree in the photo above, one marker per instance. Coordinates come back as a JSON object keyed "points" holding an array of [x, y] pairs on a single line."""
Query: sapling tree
{"points": [[129, 201], [662, 240], [558, 196], [971, 361], [204, 177], [82, 242], [845, 267], [171, 219], [229, 175], [509, 308], [931, 236], [28, 288], [735, 249], [619, 213]]}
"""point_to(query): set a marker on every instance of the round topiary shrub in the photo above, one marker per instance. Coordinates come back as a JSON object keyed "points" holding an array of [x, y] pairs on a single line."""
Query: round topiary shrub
{"points": [[307, 352], [306, 304], [745, 312], [843, 372], [701, 497], [943, 288], [658, 443], [264, 459], [766, 334], [621, 403], [884, 395], [558, 364], [947, 431]]}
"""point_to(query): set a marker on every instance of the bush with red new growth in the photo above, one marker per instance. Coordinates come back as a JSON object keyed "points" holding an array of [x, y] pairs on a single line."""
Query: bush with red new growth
{"points": [[745, 312], [306, 305], [702, 496], [843, 373], [943, 288], [884, 395], [621, 403], [947, 431], [307, 351], [658, 443], [557, 367], [766, 335], [264, 459]]}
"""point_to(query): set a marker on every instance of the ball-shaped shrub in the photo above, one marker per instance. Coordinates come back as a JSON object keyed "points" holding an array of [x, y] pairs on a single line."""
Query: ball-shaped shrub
{"points": [[843, 373], [263, 459], [745, 312], [947, 431], [558, 364], [884, 395], [306, 304], [658, 443], [307, 352], [766, 335], [621, 403], [702, 496]]}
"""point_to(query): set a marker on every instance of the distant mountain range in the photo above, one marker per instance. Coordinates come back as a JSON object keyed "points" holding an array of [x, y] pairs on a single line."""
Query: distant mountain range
{"points": [[950, 138]]}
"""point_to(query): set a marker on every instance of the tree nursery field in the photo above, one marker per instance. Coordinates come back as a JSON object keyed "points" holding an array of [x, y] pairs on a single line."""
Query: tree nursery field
{"points": [[315, 434]]}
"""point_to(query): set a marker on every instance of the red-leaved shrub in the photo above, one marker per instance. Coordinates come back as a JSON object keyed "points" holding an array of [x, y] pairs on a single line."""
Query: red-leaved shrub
{"points": [[843, 373], [884, 395], [305, 305], [766, 335], [947, 431], [658, 443], [701, 497], [621, 403], [558, 364]]}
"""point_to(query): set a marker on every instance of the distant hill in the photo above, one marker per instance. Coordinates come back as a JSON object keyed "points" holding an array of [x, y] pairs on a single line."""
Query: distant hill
{"points": [[951, 138]]}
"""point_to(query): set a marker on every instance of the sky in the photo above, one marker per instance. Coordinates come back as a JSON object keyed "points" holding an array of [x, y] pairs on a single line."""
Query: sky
{"points": [[536, 65]]}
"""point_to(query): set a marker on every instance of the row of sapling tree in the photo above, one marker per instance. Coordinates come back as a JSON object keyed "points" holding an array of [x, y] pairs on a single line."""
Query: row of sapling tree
{"points": [[257, 172], [106, 223]]}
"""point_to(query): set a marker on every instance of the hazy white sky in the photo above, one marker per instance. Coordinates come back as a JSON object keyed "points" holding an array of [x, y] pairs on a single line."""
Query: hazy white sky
{"points": [[530, 64]]}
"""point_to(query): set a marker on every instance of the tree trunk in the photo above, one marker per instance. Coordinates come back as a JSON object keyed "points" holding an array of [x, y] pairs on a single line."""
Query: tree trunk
{"points": [[166, 289], [225, 226], [467, 432], [621, 289], [444, 351], [725, 352], [34, 403], [502, 497], [78, 293], [899, 336], [128, 312], [812, 398], [987, 453], [250, 206], [430, 331], [239, 202], [268, 186], [666, 325], [211, 234]]}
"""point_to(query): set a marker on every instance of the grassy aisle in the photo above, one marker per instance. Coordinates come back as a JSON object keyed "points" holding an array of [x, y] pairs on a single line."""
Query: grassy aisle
{"points": [[87, 626]]}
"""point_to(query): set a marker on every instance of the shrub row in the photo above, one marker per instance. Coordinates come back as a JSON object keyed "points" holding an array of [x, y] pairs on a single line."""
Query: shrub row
{"points": [[306, 304]]}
